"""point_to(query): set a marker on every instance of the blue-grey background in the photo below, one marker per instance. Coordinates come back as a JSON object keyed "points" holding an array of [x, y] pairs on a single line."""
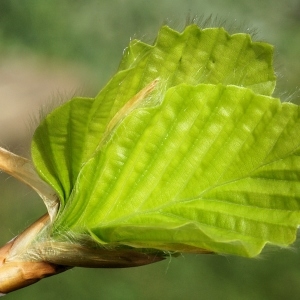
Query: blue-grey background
{"points": [[57, 49]]}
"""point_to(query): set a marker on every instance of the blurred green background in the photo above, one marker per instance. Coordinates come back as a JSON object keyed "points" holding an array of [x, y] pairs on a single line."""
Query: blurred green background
{"points": [[55, 49]]}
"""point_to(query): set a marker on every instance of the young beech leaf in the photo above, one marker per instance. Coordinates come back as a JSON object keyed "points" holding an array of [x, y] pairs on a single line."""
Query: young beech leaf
{"points": [[69, 136], [211, 167], [184, 149]]}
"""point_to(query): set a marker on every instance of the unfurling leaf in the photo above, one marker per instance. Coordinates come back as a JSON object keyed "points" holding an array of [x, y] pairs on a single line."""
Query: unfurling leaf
{"points": [[183, 150]]}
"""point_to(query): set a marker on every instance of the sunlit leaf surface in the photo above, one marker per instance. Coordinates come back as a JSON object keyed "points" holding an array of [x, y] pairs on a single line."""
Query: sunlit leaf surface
{"points": [[206, 158]]}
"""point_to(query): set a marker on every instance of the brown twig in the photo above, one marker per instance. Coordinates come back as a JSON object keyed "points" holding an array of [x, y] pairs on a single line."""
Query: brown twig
{"points": [[15, 273], [24, 261]]}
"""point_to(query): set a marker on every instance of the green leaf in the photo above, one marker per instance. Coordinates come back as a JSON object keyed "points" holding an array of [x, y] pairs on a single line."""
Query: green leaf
{"points": [[182, 150], [199, 170], [58, 147], [194, 56]]}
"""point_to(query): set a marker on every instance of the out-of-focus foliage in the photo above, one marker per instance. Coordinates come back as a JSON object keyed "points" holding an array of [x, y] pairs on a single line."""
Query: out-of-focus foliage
{"points": [[94, 33]]}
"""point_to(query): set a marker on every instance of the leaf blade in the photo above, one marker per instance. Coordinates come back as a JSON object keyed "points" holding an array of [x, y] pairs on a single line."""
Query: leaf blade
{"points": [[155, 187], [193, 56]]}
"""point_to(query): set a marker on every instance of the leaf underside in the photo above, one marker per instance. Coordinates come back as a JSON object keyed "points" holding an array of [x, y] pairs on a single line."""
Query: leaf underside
{"points": [[207, 160]]}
